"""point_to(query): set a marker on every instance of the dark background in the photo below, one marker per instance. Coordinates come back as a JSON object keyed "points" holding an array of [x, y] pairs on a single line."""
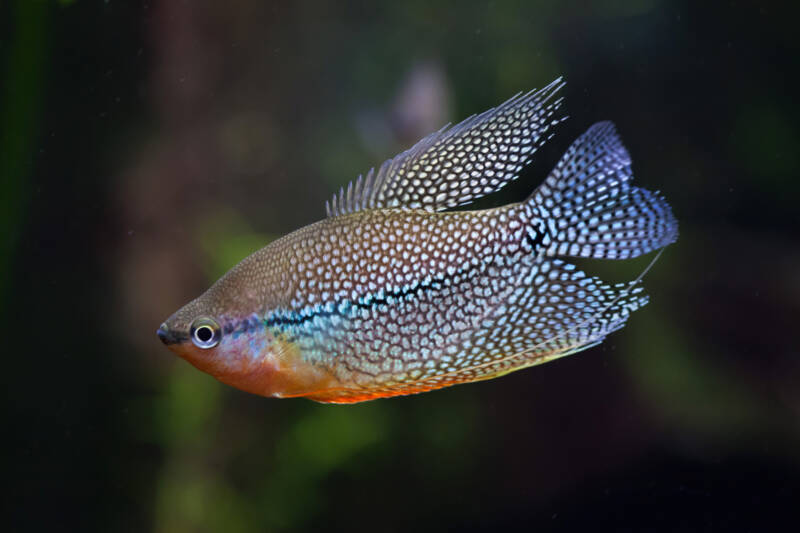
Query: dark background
{"points": [[146, 148]]}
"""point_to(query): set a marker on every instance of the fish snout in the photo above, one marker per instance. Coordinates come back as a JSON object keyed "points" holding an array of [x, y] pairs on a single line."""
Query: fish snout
{"points": [[166, 335], [162, 333]]}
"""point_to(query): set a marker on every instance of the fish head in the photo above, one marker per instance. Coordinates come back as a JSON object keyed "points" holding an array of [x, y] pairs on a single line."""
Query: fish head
{"points": [[196, 332], [222, 333]]}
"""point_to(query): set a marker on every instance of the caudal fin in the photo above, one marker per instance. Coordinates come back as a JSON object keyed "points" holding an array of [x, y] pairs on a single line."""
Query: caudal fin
{"points": [[591, 208]]}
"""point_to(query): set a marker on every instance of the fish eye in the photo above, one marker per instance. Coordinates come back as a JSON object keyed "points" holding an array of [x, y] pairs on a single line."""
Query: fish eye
{"points": [[205, 332]]}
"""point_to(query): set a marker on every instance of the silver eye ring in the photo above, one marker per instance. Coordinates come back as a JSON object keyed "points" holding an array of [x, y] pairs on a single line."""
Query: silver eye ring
{"points": [[205, 332]]}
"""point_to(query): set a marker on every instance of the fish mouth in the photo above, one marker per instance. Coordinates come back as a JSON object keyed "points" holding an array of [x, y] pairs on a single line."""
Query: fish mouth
{"points": [[169, 337]]}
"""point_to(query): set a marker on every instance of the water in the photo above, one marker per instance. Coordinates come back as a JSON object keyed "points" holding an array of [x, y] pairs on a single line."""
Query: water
{"points": [[147, 148]]}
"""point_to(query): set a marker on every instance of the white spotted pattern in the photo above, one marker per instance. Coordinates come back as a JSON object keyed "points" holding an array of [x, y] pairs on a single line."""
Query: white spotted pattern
{"points": [[389, 295], [452, 167], [591, 208]]}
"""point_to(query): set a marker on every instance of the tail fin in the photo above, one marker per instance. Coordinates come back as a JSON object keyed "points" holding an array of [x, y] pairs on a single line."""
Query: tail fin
{"points": [[592, 210]]}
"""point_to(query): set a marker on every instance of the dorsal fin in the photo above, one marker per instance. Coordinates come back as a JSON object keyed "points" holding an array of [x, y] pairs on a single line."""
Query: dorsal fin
{"points": [[454, 166]]}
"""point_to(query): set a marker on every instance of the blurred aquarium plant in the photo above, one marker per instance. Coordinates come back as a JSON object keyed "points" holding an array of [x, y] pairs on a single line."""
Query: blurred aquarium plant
{"points": [[145, 148], [21, 99]]}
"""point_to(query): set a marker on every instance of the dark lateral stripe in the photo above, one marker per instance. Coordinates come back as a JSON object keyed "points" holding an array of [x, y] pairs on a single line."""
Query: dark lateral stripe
{"points": [[344, 307]]}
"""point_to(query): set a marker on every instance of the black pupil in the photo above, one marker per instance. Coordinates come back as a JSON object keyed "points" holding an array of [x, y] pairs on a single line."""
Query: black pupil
{"points": [[204, 334]]}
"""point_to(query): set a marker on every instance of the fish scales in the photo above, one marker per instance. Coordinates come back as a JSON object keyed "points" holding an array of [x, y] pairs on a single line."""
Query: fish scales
{"points": [[451, 298], [393, 294], [402, 293]]}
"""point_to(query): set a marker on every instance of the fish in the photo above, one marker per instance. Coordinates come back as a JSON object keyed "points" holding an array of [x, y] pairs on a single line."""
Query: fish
{"points": [[401, 290]]}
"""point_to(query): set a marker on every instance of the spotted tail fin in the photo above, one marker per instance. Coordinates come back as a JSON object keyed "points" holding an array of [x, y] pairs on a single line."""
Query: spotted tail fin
{"points": [[591, 208]]}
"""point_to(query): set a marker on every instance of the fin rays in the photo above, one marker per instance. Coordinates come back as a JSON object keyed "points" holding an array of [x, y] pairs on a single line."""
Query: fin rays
{"points": [[454, 166], [591, 208]]}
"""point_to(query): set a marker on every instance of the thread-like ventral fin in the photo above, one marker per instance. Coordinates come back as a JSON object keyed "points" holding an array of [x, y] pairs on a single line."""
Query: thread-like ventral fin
{"points": [[455, 166]]}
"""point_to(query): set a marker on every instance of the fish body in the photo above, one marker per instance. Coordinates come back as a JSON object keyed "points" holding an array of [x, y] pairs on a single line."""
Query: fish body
{"points": [[393, 294]]}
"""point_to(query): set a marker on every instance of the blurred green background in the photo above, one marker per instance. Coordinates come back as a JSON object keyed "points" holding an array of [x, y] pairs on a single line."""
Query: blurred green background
{"points": [[147, 147]]}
